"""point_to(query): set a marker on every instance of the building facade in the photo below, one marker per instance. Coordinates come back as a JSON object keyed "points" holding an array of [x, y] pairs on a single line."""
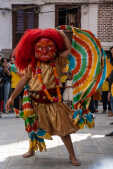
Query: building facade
{"points": [[16, 16]]}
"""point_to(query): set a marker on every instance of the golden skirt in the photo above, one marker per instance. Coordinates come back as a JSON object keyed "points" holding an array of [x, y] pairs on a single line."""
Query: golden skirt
{"points": [[55, 118]]}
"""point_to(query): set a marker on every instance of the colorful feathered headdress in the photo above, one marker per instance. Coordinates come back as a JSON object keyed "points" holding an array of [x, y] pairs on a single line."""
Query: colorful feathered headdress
{"points": [[25, 49]]}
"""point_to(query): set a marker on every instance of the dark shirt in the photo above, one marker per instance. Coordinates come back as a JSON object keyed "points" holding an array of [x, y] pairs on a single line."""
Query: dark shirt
{"points": [[4, 75], [1, 69], [111, 60], [1, 76], [110, 79]]}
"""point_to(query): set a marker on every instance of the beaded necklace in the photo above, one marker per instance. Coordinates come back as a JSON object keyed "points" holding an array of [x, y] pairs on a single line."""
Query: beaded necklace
{"points": [[51, 98]]}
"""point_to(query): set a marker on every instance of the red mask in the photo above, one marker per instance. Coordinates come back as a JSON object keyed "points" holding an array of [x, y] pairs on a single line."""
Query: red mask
{"points": [[45, 50]]}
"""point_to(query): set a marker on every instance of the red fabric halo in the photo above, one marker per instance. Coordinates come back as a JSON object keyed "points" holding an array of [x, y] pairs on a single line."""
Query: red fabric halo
{"points": [[25, 49]]}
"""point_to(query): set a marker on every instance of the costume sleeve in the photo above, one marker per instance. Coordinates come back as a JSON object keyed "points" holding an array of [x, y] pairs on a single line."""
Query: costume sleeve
{"points": [[28, 72], [61, 64]]}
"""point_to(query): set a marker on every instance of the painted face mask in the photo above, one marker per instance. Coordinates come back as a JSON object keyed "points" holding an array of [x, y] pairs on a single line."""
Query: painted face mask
{"points": [[45, 50]]}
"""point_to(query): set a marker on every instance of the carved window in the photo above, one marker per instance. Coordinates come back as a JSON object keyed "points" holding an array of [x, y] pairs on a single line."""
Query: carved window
{"points": [[68, 15], [24, 17]]}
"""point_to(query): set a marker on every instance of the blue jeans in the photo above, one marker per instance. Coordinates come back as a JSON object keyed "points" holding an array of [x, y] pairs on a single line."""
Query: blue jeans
{"points": [[111, 100], [6, 93]]}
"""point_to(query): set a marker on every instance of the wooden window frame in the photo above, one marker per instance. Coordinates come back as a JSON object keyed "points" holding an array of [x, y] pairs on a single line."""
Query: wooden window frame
{"points": [[67, 6], [20, 6]]}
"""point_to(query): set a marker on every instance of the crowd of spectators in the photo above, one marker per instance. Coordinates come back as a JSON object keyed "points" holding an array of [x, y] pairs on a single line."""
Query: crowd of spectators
{"points": [[9, 77]]}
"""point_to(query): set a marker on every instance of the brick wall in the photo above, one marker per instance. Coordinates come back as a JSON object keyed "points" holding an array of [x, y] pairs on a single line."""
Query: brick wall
{"points": [[105, 22]]}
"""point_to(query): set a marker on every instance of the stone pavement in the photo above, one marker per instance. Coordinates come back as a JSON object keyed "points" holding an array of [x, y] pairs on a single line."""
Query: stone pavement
{"points": [[94, 150]]}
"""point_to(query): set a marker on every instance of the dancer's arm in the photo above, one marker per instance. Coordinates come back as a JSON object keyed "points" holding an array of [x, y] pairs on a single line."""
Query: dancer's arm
{"points": [[16, 92], [67, 44]]}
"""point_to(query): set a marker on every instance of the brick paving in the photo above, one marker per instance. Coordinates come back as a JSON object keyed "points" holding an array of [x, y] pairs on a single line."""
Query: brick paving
{"points": [[94, 150]]}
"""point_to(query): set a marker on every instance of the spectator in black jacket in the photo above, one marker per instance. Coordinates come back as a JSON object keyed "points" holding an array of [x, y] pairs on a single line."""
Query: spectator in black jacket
{"points": [[6, 73], [110, 94], [1, 86]]}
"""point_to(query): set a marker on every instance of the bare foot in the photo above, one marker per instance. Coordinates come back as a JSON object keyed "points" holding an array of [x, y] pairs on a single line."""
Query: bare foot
{"points": [[29, 154], [74, 161]]}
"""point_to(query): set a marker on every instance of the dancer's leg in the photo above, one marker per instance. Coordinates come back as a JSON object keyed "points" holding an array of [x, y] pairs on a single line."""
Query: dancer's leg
{"points": [[68, 143], [29, 153]]}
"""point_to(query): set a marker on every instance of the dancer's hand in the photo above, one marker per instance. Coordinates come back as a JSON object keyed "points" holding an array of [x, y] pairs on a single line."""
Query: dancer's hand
{"points": [[62, 33], [9, 103]]}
